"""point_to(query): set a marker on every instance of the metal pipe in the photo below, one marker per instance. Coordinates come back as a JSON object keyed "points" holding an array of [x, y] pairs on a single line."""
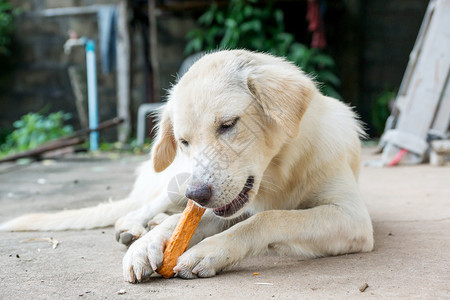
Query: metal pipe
{"points": [[92, 93]]}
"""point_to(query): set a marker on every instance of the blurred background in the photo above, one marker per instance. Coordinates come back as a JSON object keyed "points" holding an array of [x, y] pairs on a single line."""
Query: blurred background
{"points": [[356, 49]]}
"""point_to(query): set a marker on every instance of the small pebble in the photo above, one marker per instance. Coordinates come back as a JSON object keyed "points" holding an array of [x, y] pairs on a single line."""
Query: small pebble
{"points": [[48, 162], [363, 287], [121, 292]]}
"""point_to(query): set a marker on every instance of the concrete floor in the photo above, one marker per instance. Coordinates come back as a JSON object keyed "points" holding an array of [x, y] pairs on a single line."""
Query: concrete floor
{"points": [[410, 208]]}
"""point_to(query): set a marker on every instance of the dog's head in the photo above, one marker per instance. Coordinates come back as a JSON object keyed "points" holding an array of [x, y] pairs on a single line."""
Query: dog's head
{"points": [[230, 114]]}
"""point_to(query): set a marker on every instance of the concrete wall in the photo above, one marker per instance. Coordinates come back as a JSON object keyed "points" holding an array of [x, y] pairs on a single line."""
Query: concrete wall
{"points": [[39, 76]]}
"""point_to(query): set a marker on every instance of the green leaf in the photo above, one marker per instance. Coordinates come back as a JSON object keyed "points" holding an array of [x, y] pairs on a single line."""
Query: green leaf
{"points": [[331, 92], [230, 23], [220, 18], [248, 11], [279, 16], [329, 77], [208, 17], [193, 46], [254, 25], [323, 60]]}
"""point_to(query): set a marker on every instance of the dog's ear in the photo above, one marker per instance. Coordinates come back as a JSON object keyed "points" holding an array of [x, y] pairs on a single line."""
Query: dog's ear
{"points": [[283, 91], [165, 147]]}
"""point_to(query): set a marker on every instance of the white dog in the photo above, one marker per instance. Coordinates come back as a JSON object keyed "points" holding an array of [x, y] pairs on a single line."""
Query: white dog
{"points": [[275, 162]]}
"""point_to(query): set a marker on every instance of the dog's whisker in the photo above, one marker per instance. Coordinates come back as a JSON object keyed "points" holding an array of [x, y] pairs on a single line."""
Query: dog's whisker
{"points": [[268, 182]]}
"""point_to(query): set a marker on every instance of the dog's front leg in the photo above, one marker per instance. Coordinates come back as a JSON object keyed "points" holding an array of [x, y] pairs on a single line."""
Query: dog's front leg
{"points": [[320, 231], [146, 254]]}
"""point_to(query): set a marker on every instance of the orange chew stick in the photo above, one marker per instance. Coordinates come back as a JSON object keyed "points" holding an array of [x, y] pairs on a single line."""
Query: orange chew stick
{"points": [[181, 237]]}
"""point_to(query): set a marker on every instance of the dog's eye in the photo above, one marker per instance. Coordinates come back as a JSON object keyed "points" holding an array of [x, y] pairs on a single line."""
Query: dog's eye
{"points": [[184, 142], [227, 125]]}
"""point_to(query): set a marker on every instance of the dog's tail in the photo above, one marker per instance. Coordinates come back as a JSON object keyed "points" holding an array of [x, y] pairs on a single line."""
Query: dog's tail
{"points": [[102, 215]]}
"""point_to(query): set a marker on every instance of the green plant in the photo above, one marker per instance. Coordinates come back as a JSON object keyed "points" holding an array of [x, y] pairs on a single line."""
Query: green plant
{"points": [[33, 129], [131, 147], [380, 110], [245, 24], [6, 26]]}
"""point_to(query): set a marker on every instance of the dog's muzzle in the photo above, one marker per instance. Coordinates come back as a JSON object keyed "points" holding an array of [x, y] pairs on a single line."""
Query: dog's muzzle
{"points": [[238, 202]]}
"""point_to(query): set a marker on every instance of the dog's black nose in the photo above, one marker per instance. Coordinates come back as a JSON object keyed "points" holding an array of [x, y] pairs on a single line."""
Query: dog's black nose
{"points": [[199, 193]]}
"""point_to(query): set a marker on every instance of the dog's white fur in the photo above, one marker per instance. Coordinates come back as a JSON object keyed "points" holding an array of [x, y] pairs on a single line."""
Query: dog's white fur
{"points": [[237, 114]]}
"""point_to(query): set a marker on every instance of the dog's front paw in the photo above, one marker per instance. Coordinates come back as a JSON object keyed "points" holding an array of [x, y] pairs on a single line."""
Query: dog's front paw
{"points": [[206, 259], [128, 230], [143, 257]]}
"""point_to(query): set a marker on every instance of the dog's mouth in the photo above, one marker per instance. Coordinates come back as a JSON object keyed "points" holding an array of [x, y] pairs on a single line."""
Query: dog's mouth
{"points": [[238, 202]]}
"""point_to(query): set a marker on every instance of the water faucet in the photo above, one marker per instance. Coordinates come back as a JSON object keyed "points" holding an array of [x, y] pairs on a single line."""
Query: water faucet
{"points": [[73, 41]]}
